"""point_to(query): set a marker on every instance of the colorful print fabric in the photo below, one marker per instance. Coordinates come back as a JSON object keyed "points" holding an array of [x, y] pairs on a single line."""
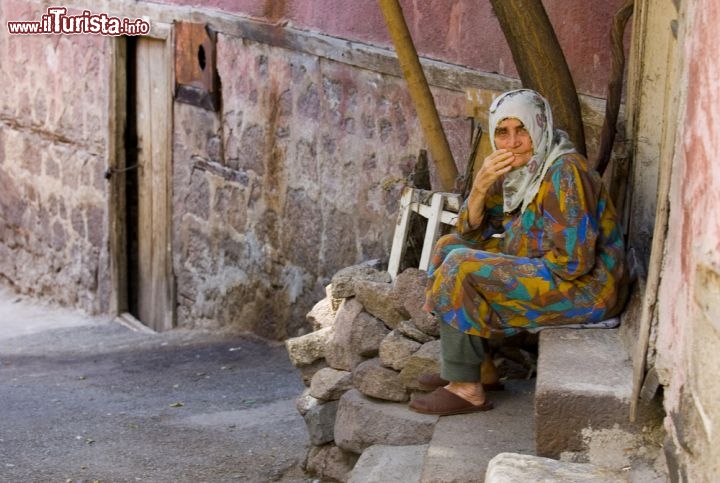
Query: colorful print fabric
{"points": [[560, 261]]}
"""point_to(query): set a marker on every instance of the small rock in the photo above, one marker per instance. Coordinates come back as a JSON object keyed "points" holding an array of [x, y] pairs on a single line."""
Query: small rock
{"points": [[368, 333], [374, 380], [308, 348], [329, 461], [396, 349], [378, 299], [343, 282], [339, 351], [329, 384], [320, 422], [425, 361], [305, 402], [408, 329], [409, 288], [322, 314]]}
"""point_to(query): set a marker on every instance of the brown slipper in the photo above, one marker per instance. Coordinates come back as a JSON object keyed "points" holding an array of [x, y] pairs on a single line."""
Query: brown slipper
{"points": [[433, 381], [442, 402]]}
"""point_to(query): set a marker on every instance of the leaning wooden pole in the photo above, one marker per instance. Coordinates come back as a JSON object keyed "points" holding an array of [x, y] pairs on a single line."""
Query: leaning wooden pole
{"points": [[615, 85], [540, 61], [420, 94]]}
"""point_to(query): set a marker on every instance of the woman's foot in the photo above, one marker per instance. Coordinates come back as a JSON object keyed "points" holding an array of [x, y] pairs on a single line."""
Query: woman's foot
{"points": [[430, 382], [470, 391], [455, 398]]}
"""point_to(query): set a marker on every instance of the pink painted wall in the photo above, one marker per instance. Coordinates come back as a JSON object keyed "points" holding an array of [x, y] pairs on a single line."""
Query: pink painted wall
{"points": [[463, 32], [689, 300]]}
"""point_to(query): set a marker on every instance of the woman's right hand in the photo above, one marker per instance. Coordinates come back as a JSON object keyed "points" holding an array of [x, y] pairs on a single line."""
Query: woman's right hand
{"points": [[495, 165]]}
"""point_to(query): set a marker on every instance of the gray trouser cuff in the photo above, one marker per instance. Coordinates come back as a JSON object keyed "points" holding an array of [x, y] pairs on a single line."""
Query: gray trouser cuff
{"points": [[461, 355]]}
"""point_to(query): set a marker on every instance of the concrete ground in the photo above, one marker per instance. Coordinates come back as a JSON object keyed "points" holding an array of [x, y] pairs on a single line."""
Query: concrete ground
{"points": [[87, 399]]}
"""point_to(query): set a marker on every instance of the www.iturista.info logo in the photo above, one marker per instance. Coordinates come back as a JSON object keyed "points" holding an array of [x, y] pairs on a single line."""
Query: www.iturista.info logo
{"points": [[57, 21]]}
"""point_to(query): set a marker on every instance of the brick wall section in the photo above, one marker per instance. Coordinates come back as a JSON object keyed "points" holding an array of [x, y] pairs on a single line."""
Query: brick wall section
{"points": [[52, 157]]}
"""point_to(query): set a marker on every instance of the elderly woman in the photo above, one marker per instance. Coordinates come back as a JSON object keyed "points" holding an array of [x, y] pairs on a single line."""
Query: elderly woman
{"points": [[538, 244]]}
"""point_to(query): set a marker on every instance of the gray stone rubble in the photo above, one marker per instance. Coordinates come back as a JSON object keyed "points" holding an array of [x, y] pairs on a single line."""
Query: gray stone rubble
{"points": [[371, 341]]}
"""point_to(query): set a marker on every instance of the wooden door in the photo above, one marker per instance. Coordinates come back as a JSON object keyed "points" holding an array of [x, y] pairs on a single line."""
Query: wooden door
{"points": [[155, 283]]}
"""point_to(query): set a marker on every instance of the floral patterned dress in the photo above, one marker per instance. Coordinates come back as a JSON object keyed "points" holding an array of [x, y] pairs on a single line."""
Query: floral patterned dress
{"points": [[561, 261]]}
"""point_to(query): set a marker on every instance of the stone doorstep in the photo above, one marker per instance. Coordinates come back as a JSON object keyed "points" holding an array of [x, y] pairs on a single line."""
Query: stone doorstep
{"points": [[584, 381]]}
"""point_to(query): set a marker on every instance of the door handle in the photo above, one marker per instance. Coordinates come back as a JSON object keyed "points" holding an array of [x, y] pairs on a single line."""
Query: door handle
{"points": [[110, 171]]}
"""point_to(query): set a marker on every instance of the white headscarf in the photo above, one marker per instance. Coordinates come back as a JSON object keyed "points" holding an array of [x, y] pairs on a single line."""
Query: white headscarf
{"points": [[522, 184]]}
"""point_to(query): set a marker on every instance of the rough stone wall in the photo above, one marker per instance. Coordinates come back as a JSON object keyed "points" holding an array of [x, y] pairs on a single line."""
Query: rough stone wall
{"points": [[297, 177], [53, 150], [689, 298]]}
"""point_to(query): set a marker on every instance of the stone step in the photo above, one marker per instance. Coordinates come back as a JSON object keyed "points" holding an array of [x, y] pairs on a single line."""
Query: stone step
{"points": [[462, 445], [584, 385], [459, 447], [362, 422], [383, 463], [513, 468]]}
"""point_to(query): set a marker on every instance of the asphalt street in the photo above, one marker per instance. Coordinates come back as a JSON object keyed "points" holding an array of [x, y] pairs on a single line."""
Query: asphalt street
{"points": [[85, 399]]}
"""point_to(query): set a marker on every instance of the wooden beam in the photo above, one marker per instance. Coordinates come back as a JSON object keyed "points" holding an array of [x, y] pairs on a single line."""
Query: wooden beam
{"points": [[540, 61], [420, 94], [358, 54]]}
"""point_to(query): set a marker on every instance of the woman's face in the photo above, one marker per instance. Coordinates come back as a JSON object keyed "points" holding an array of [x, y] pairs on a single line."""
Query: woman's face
{"points": [[510, 134]]}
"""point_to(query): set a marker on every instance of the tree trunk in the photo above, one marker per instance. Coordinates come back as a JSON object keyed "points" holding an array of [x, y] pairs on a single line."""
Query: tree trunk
{"points": [[540, 61]]}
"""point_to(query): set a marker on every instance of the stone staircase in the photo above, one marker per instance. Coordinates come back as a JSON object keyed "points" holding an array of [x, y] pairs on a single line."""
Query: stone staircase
{"points": [[576, 410], [570, 423], [458, 448]]}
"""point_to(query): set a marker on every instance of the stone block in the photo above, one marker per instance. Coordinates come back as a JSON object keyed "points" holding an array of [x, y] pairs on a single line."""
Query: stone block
{"points": [[322, 314], [584, 381], [362, 422], [408, 329], [308, 348], [396, 349], [343, 282], [320, 422], [425, 361], [379, 300], [307, 372], [305, 402], [427, 323], [329, 461], [368, 333], [374, 380], [329, 384], [409, 288], [341, 351], [382, 463], [512, 467], [356, 338]]}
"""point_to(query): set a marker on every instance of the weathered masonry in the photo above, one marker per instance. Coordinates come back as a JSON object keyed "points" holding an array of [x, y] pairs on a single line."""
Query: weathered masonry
{"points": [[221, 181], [214, 172]]}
